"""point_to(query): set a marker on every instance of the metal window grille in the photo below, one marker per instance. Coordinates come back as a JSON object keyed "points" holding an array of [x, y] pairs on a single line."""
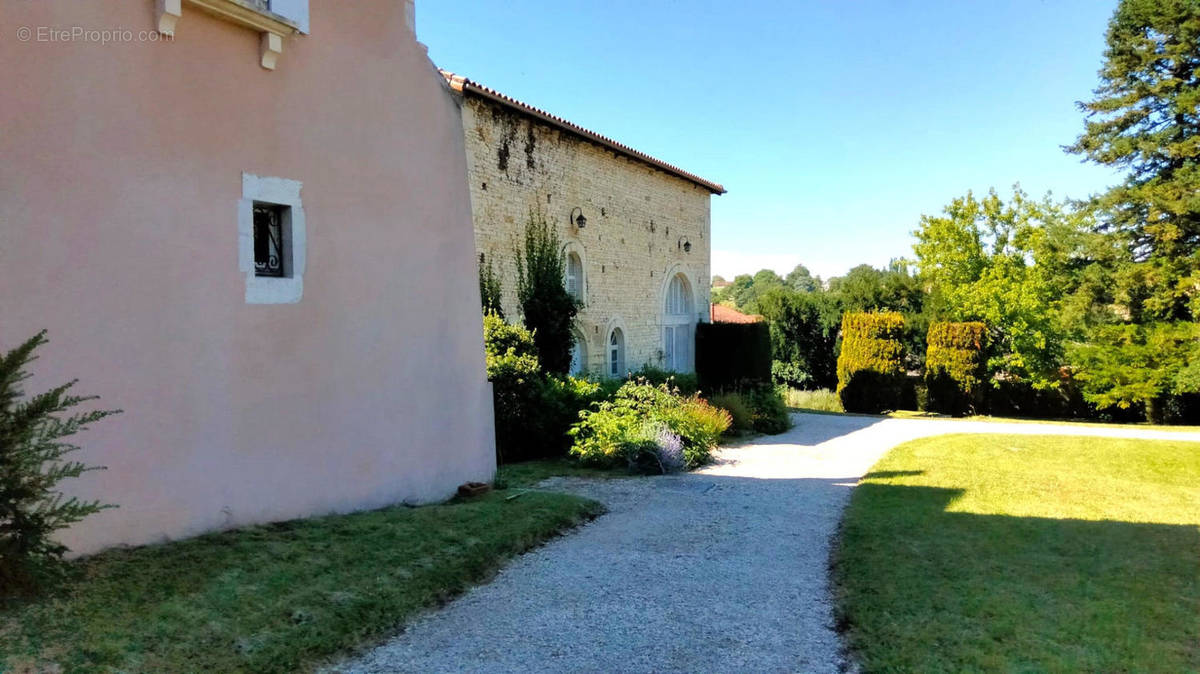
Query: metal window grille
{"points": [[268, 240]]}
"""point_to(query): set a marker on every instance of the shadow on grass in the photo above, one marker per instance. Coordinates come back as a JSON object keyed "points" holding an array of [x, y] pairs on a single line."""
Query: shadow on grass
{"points": [[923, 589]]}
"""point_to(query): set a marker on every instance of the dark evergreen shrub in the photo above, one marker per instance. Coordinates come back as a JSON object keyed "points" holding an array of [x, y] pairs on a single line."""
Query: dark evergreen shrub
{"points": [[733, 355], [870, 366], [954, 368]]}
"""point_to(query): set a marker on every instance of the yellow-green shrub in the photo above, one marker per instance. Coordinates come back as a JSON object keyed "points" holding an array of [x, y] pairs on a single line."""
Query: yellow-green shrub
{"points": [[870, 366], [954, 367]]}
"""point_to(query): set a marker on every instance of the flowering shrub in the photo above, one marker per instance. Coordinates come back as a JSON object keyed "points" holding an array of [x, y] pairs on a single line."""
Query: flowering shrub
{"points": [[638, 427]]}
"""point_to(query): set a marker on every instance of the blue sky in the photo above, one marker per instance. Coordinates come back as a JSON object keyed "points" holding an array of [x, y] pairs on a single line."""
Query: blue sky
{"points": [[834, 125]]}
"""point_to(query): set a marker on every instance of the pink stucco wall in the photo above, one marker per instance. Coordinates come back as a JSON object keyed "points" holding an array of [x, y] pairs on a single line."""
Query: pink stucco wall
{"points": [[120, 172]]}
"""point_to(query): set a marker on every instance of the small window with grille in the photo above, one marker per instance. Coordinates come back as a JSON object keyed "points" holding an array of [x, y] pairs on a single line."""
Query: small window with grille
{"points": [[272, 239], [268, 240]]}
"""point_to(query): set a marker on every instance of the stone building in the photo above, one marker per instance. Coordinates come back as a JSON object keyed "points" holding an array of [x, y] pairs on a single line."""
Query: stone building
{"points": [[635, 230]]}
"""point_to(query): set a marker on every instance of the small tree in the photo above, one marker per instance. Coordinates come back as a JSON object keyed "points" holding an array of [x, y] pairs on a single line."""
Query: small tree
{"points": [[31, 466], [548, 308], [1128, 365], [489, 288]]}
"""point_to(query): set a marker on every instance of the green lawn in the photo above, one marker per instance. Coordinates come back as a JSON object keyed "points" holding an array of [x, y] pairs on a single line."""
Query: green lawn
{"points": [[1024, 553], [824, 401], [280, 597]]}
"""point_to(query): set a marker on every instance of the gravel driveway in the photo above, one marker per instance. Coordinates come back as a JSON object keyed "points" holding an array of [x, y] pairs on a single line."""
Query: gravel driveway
{"points": [[722, 570]]}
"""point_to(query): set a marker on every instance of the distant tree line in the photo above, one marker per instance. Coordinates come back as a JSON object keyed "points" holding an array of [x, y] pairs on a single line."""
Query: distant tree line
{"points": [[1099, 298]]}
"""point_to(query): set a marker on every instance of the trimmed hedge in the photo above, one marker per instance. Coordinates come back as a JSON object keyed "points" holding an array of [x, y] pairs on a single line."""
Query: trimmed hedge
{"points": [[954, 367], [870, 366], [733, 355]]}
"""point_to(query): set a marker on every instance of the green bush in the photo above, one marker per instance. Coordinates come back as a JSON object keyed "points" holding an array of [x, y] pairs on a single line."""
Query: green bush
{"points": [[617, 430], [686, 382], [740, 413], [770, 412], [533, 410], [870, 366], [32, 463], [954, 367]]}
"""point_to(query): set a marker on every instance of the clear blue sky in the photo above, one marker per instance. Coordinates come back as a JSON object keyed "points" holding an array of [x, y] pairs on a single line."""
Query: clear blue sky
{"points": [[834, 125]]}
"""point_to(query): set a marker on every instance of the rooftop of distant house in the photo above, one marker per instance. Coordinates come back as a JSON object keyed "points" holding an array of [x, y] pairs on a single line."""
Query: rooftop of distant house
{"points": [[719, 313], [464, 85]]}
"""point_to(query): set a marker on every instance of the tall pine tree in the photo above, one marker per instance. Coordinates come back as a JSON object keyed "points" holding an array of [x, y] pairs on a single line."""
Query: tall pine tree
{"points": [[1145, 119]]}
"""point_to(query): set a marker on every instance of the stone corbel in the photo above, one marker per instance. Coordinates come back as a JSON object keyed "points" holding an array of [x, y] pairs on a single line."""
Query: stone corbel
{"points": [[271, 27], [169, 12], [272, 47]]}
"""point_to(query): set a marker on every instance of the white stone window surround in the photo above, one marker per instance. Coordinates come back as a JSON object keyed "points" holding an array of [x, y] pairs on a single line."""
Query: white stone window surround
{"points": [[289, 288], [579, 353], [678, 321], [618, 355], [570, 248]]}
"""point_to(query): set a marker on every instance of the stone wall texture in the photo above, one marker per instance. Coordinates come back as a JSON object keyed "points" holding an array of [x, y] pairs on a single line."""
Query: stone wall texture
{"points": [[638, 218]]}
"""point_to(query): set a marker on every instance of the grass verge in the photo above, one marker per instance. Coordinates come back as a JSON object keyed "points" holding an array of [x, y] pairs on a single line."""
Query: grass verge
{"points": [[822, 400], [528, 473], [1024, 553], [275, 598]]}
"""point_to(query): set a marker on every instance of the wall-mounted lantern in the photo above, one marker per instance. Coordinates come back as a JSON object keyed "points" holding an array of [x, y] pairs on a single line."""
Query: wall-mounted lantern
{"points": [[684, 244], [578, 220]]}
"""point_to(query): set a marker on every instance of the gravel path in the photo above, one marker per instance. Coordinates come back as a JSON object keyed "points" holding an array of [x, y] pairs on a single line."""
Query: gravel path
{"points": [[722, 570]]}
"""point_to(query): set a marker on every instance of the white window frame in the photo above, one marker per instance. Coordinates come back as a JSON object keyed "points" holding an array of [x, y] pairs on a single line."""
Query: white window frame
{"points": [[678, 324], [287, 289], [574, 271], [574, 248], [616, 352], [579, 354]]}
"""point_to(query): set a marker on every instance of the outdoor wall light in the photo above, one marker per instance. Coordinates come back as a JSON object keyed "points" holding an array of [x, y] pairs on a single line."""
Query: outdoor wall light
{"points": [[684, 244], [579, 220]]}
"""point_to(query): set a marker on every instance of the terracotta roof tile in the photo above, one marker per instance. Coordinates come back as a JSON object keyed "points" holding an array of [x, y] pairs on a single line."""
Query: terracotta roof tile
{"points": [[462, 84], [719, 313]]}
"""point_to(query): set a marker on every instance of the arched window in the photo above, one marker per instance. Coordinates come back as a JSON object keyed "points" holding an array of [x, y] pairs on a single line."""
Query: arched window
{"points": [[616, 353], [574, 270], [578, 355], [678, 319]]}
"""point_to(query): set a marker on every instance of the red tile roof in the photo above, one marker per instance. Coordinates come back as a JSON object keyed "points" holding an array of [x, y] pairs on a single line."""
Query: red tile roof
{"points": [[462, 84], [720, 313]]}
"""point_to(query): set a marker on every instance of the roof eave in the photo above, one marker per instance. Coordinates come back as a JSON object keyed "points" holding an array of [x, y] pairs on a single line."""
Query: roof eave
{"points": [[464, 85]]}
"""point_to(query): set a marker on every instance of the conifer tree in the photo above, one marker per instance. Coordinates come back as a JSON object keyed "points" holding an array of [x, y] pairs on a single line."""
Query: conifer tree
{"points": [[32, 463], [549, 310], [1145, 119]]}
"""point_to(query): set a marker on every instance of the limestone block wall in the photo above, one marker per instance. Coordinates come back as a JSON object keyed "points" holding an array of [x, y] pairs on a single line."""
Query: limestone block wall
{"points": [[638, 220]]}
